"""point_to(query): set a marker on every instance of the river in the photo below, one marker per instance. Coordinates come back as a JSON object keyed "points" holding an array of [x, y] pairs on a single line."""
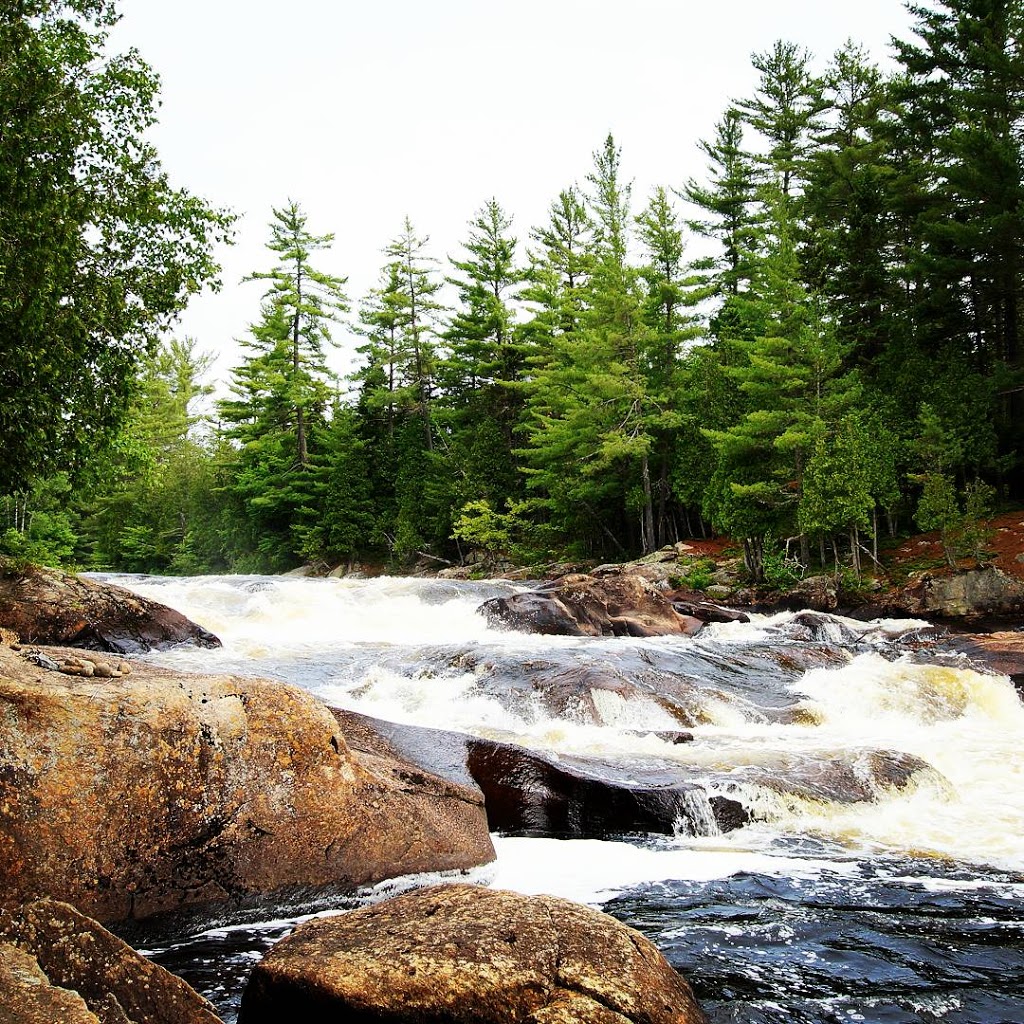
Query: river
{"points": [[843, 900]]}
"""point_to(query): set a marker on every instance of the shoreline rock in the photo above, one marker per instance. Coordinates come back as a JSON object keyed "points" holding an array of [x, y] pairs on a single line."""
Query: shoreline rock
{"points": [[46, 606], [74, 970], [165, 794]]}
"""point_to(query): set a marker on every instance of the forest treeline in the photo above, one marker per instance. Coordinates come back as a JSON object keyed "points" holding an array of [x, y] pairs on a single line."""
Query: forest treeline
{"points": [[817, 340]]}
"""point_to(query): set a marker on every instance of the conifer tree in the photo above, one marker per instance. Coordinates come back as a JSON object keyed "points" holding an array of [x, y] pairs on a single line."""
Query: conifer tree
{"points": [[281, 394], [964, 109], [791, 385], [484, 372], [310, 300], [785, 110], [729, 202]]}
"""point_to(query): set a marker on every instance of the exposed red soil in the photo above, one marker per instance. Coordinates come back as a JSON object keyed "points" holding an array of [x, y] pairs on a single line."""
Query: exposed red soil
{"points": [[1004, 548]]}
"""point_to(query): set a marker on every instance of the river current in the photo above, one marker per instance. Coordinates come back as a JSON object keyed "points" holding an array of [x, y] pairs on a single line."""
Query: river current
{"points": [[844, 899]]}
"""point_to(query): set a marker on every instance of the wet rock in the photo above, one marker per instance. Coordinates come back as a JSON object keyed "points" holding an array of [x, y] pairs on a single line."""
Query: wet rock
{"points": [[528, 792], [532, 612], [113, 983], [819, 628], [855, 776], [1001, 652], [45, 606], [465, 954], [614, 604], [164, 792], [706, 611]]}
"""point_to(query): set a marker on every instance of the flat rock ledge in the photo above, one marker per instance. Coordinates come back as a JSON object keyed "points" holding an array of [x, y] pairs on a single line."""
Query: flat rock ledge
{"points": [[56, 965], [46, 606], [467, 955], [161, 793]]}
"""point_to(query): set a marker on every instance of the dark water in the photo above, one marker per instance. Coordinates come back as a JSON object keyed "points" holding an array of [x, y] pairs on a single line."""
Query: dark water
{"points": [[882, 943]]}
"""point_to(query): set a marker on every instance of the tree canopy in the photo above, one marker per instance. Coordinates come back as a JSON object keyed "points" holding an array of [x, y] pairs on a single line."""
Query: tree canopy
{"points": [[98, 251], [843, 354]]}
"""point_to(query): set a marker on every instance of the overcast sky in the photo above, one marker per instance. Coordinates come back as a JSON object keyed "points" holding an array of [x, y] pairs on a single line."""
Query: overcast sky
{"points": [[365, 112]]}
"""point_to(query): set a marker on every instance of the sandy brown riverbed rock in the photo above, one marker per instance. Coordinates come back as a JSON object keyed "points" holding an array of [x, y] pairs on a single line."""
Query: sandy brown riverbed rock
{"points": [[161, 791], [614, 604], [466, 954], [46, 606], [88, 973], [1001, 652]]}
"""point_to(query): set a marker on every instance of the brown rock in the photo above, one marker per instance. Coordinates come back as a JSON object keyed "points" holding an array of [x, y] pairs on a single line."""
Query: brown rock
{"points": [[613, 604], [161, 792], [45, 606], [465, 954], [116, 984], [1001, 652], [27, 997]]}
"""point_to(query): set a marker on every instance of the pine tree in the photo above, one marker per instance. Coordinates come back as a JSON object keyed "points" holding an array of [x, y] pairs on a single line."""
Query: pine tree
{"points": [[785, 111], [282, 392], [310, 300], [417, 317], [849, 231], [560, 268], [792, 387], [672, 291], [730, 205], [965, 113], [591, 409], [484, 372]]}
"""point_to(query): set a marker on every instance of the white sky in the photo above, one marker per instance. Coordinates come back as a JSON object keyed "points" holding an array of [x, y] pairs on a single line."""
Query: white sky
{"points": [[365, 112]]}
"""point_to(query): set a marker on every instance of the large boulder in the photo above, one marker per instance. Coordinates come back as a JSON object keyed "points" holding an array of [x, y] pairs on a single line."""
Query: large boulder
{"points": [[613, 604], [160, 792], [971, 594], [465, 954], [46, 606], [83, 973]]}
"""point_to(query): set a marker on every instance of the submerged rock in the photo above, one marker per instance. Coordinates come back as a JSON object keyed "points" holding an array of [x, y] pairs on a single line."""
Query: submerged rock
{"points": [[163, 792], [74, 970], [466, 954], [587, 605], [46, 606], [819, 628]]}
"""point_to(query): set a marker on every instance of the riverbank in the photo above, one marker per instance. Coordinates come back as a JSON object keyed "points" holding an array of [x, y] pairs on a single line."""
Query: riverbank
{"points": [[910, 578]]}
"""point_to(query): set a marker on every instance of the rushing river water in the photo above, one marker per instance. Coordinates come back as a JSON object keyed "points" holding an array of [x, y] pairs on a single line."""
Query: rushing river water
{"points": [[843, 900]]}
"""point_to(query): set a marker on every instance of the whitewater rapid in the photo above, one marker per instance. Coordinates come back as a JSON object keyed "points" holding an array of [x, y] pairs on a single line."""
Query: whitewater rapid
{"points": [[901, 904], [396, 649]]}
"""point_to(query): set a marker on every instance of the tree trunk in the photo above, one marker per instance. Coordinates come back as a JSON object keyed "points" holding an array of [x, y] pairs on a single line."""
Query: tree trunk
{"points": [[647, 530], [753, 557]]}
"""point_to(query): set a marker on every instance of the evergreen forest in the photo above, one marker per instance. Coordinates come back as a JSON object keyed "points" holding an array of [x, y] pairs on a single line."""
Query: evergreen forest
{"points": [[815, 344]]}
